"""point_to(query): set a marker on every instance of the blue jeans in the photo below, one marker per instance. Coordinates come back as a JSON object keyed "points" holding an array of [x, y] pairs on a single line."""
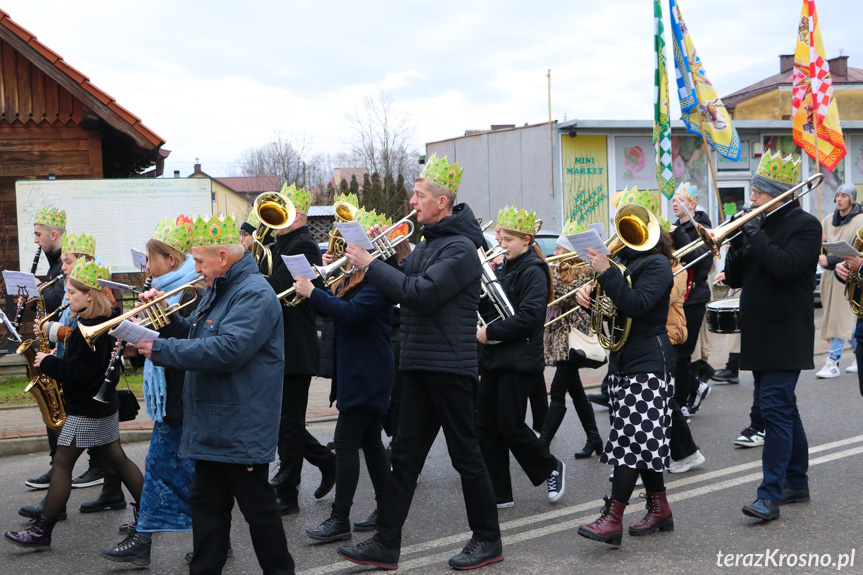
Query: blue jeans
{"points": [[836, 345], [785, 459]]}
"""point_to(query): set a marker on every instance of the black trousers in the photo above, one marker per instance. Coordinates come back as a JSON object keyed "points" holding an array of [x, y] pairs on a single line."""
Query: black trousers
{"points": [[295, 442], [356, 428], [566, 378], [685, 382], [431, 401], [680, 440], [857, 352], [501, 429], [756, 421], [211, 500], [538, 397]]}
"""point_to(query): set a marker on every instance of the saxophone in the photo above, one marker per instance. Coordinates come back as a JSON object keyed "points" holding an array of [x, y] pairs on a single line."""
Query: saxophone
{"points": [[46, 391]]}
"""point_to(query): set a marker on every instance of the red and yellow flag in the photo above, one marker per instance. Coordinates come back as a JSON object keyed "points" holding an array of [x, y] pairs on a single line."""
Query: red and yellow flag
{"points": [[812, 102]]}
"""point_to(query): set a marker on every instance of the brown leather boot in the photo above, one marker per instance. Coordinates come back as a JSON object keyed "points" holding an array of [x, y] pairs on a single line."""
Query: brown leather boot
{"points": [[658, 516], [38, 536], [608, 528]]}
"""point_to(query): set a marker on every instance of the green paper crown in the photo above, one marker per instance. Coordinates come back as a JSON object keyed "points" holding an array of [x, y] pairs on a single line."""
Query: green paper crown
{"points": [[441, 172], [779, 169], [349, 198], [253, 219], [215, 232], [89, 273], [642, 198], [368, 219], [301, 198], [51, 217], [75, 244], [176, 233], [517, 220], [570, 228]]}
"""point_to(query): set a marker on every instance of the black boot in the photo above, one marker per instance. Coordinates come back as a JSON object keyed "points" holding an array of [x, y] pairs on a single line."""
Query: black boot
{"points": [[588, 421], [34, 511], [111, 497], [599, 399], [368, 524], [593, 445], [333, 529], [134, 549], [38, 536], [553, 419]]}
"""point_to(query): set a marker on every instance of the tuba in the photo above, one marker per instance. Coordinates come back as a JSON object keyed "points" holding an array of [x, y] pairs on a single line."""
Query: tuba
{"points": [[275, 212], [345, 212], [490, 288], [854, 283]]}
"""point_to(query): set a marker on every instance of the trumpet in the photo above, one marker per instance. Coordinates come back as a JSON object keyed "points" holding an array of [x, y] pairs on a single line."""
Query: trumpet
{"points": [[155, 316], [275, 212]]}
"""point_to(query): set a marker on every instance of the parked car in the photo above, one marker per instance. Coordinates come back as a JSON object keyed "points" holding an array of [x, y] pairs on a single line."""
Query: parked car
{"points": [[546, 241]]}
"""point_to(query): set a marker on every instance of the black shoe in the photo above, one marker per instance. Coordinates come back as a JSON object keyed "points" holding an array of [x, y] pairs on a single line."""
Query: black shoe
{"points": [[599, 399], [191, 555], [279, 477], [133, 549], [726, 376], [288, 507], [369, 524], [477, 554], [762, 509], [93, 476], [371, 552], [111, 497], [331, 530], [593, 445], [41, 482], [34, 511], [791, 495], [328, 479]]}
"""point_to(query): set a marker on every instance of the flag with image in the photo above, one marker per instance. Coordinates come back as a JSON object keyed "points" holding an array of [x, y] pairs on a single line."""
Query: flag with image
{"points": [[661, 122]]}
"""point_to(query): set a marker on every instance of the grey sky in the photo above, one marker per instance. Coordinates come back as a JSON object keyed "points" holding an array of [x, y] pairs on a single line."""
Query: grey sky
{"points": [[214, 78]]}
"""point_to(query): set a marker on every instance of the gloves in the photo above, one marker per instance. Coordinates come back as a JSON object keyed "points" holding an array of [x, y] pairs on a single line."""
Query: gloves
{"points": [[751, 227]]}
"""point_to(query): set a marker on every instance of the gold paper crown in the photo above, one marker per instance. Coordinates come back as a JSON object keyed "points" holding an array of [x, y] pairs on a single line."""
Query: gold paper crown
{"points": [[176, 232], [301, 198], [783, 170], [642, 198], [349, 198], [570, 228], [441, 172], [75, 244], [215, 232], [520, 221], [48, 216], [89, 273]]}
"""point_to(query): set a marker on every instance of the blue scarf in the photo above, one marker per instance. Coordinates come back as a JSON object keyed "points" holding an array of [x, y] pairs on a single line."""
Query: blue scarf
{"points": [[154, 376]]}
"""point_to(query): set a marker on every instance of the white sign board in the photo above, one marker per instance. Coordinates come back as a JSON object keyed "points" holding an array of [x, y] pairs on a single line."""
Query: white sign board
{"points": [[120, 214]]}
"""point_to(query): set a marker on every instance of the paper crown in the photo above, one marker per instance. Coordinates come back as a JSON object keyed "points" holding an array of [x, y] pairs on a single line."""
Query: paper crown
{"points": [[75, 244], [688, 191], [783, 170], [301, 198], [48, 216], [643, 198], [517, 220], [349, 198], [570, 228], [399, 231], [368, 219], [89, 273], [253, 219], [215, 232], [176, 233], [441, 172]]}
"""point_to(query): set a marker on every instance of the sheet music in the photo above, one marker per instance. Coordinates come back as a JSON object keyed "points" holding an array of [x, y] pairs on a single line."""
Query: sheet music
{"points": [[589, 239], [299, 267], [840, 248], [133, 333], [600, 229], [15, 280], [140, 258], [10, 329], [354, 233]]}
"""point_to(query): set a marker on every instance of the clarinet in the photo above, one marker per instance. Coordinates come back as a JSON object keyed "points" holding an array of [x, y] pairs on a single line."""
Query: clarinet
{"points": [[115, 356], [19, 311]]}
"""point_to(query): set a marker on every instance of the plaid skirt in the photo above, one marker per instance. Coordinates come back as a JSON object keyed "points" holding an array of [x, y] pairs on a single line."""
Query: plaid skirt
{"points": [[89, 432]]}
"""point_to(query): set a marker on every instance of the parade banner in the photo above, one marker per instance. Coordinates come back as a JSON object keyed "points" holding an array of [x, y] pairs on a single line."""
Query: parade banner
{"points": [[585, 179], [661, 122]]}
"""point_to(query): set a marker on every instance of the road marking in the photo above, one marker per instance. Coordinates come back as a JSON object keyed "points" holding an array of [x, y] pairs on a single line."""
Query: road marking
{"points": [[459, 539]]}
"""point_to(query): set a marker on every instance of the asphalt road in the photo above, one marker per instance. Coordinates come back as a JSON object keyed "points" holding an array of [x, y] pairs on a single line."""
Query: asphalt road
{"points": [[540, 538]]}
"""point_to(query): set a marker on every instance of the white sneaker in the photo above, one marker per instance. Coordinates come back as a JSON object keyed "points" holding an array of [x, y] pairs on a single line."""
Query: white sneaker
{"points": [[750, 438], [505, 504], [687, 463], [830, 369], [852, 368]]}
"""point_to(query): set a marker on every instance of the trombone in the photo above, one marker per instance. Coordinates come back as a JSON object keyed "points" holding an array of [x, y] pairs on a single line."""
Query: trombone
{"points": [[275, 211]]}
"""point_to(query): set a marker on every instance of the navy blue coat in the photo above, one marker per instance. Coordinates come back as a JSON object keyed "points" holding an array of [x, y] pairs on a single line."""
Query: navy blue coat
{"points": [[363, 369], [234, 359]]}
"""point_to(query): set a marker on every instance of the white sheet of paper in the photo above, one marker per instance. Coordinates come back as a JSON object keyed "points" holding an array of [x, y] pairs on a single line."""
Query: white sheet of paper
{"points": [[15, 280], [114, 285], [600, 229], [10, 329], [133, 333], [299, 267], [354, 233], [840, 248], [589, 239], [140, 258]]}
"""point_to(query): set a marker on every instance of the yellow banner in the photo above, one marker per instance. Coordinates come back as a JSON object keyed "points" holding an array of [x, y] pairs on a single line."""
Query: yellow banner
{"points": [[585, 179]]}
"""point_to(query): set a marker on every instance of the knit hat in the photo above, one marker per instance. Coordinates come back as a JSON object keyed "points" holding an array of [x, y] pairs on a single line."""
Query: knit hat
{"points": [[776, 174], [849, 190], [248, 228]]}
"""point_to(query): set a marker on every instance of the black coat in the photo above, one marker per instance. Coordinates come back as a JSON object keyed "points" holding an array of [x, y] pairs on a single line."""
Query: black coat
{"points": [[302, 350], [438, 288], [776, 269], [647, 349], [52, 296], [81, 371], [698, 290], [525, 282]]}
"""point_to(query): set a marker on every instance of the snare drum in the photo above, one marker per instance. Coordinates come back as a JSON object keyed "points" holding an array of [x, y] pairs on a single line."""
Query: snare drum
{"points": [[723, 316]]}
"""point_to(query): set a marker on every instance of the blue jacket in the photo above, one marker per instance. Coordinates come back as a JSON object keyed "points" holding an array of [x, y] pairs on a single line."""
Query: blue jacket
{"points": [[234, 358], [364, 367]]}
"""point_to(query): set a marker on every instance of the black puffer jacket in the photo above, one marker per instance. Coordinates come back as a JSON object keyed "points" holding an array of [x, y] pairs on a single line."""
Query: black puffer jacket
{"points": [[525, 281], [697, 287], [438, 288], [52, 296], [647, 349]]}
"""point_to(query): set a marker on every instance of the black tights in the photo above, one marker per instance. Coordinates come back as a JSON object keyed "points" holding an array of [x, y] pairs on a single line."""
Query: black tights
{"points": [[624, 482], [64, 461]]}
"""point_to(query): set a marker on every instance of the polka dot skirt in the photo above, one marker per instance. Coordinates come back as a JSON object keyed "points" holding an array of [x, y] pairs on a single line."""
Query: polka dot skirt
{"points": [[640, 421]]}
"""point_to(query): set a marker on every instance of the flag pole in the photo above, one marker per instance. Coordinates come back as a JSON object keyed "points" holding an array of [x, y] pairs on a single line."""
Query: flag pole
{"points": [[709, 162], [817, 159]]}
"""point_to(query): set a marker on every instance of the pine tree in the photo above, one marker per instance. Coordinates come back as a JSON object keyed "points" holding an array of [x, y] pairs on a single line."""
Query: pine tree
{"points": [[331, 193], [367, 186], [354, 186], [343, 187], [374, 199], [401, 196]]}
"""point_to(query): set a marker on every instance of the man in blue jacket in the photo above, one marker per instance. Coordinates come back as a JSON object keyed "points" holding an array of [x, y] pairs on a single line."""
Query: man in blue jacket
{"points": [[438, 288], [232, 348]]}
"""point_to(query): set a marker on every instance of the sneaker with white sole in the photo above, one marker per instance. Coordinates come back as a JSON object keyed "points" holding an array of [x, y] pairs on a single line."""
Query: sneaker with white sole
{"points": [[852, 368], [556, 482], [830, 369], [687, 463], [505, 504], [700, 395], [750, 438]]}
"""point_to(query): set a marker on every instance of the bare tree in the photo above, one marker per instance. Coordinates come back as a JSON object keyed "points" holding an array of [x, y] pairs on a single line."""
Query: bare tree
{"points": [[287, 157]]}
